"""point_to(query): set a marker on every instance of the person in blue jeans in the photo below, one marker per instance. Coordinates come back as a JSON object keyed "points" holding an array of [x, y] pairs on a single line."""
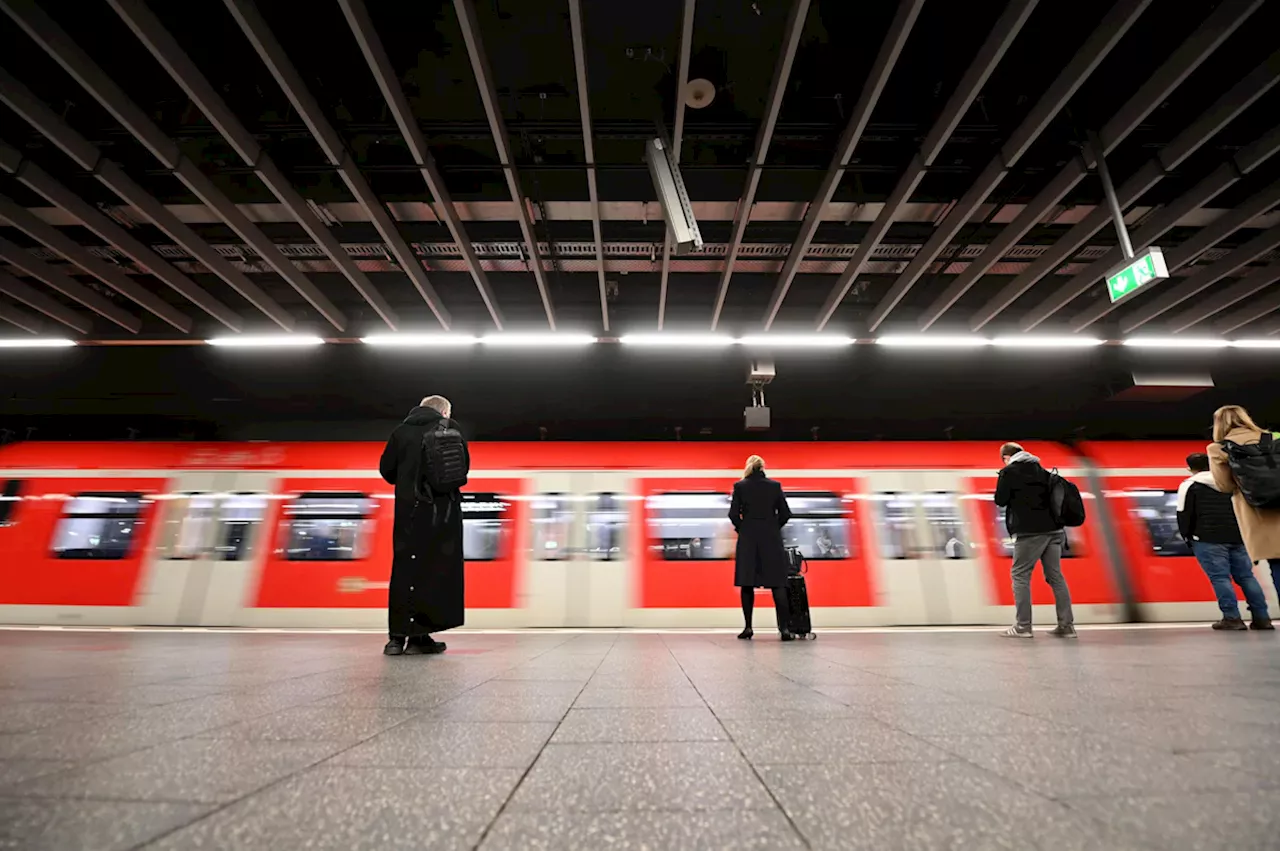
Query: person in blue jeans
{"points": [[1208, 524]]}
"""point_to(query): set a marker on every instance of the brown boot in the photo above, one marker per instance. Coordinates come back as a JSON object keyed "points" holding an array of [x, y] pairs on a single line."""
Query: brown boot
{"points": [[1231, 625], [1261, 622]]}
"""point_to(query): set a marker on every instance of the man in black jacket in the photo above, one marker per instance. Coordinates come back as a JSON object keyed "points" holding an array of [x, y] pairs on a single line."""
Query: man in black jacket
{"points": [[1023, 492], [426, 593], [1207, 523]]}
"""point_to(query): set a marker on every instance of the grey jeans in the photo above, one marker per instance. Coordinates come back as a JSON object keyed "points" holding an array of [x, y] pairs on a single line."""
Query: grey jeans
{"points": [[1047, 549]]}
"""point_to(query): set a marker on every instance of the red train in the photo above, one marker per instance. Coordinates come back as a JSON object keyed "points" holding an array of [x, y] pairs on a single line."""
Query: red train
{"points": [[568, 534]]}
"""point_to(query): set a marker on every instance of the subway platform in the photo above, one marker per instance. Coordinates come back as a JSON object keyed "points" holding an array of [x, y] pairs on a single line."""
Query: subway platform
{"points": [[1127, 738]]}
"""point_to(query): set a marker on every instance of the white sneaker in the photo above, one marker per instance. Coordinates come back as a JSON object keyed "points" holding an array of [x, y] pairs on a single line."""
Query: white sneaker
{"points": [[1014, 632]]}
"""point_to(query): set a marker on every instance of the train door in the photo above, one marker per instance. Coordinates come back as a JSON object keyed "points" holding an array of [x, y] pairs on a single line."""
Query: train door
{"points": [[598, 587], [929, 570], [206, 547], [578, 563]]}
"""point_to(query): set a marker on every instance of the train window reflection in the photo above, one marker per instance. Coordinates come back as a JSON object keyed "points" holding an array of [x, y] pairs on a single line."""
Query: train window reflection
{"points": [[485, 517], [98, 526], [328, 527], [691, 526], [606, 526], [820, 526], [239, 515], [552, 522], [1158, 510], [944, 526], [9, 499], [897, 513], [1074, 547], [188, 525]]}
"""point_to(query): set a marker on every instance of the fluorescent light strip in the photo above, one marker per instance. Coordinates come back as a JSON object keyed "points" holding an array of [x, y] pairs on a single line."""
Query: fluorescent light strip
{"points": [[1175, 343], [420, 340], [535, 340], [1034, 342], [796, 341], [272, 342], [37, 343], [1255, 344], [677, 341], [928, 341]]}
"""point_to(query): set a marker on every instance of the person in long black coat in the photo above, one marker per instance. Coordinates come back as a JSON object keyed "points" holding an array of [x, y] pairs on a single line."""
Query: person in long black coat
{"points": [[426, 593], [758, 511]]}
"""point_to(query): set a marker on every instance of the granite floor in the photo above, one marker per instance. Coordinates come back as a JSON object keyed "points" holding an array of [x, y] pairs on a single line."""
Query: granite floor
{"points": [[1142, 739]]}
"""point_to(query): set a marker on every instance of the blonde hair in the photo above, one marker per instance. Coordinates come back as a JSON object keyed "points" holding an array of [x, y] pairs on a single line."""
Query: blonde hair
{"points": [[754, 463], [439, 404], [1230, 417]]}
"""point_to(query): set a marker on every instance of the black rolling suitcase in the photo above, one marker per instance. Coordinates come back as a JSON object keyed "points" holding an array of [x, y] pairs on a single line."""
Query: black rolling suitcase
{"points": [[798, 596]]}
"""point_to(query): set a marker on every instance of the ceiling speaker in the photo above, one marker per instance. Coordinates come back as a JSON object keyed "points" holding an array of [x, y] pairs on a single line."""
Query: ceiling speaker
{"points": [[699, 93]]}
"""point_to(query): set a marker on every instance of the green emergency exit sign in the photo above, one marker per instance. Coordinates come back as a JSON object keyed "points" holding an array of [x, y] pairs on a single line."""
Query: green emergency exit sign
{"points": [[1142, 270]]}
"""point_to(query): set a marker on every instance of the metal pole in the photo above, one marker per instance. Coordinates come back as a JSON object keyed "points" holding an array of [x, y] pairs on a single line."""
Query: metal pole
{"points": [[1117, 214]]}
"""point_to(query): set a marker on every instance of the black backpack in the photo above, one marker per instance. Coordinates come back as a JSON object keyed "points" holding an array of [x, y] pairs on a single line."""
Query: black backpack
{"points": [[444, 462], [1066, 506], [1256, 469]]}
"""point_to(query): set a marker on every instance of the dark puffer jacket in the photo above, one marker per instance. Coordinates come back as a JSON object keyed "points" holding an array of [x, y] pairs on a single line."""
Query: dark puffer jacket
{"points": [[1205, 513], [1023, 492]]}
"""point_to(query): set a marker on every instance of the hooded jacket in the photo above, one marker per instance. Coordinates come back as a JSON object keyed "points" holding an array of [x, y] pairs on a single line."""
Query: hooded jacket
{"points": [[1205, 513], [1022, 490]]}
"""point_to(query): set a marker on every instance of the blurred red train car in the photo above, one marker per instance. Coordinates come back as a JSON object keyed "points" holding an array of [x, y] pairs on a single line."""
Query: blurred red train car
{"points": [[569, 534]]}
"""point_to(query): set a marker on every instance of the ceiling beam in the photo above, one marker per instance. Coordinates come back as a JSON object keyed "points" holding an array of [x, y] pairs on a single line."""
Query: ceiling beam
{"points": [[59, 280], [682, 84], [19, 318], [38, 180], [44, 31], [1199, 242], [388, 81], [890, 48], [588, 143], [980, 69], [38, 301], [1182, 62], [114, 277], [162, 45], [1104, 38], [290, 81], [1202, 279], [1251, 284], [773, 105], [502, 142], [1160, 222]]}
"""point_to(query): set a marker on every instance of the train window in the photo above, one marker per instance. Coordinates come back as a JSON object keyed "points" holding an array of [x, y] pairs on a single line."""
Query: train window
{"points": [[328, 527], [239, 515], [945, 528], [820, 526], [1074, 547], [1158, 509], [897, 512], [9, 499], [552, 522], [692, 526], [98, 526], [484, 519], [606, 526], [188, 524]]}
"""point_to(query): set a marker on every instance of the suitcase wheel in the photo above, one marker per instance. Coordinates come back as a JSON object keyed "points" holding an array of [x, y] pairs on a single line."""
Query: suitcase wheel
{"points": [[812, 636]]}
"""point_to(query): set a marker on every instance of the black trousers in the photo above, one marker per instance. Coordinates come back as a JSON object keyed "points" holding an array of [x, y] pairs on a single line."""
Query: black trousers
{"points": [[780, 605]]}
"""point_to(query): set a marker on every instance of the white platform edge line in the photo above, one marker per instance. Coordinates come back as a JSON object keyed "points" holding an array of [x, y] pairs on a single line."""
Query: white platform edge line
{"points": [[853, 630]]}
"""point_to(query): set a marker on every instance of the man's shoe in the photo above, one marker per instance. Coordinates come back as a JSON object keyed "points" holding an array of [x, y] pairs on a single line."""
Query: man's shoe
{"points": [[395, 647], [425, 645], [1262, 623], [784, 635], [1064, 631], [1014, 632], [1231, 625]]}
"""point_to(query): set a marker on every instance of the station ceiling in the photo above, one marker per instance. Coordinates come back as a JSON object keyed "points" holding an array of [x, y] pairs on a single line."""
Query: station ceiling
{"points": [[179, 171]]}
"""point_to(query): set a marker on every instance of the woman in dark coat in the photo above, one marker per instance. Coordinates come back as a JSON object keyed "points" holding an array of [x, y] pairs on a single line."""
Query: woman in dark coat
{"points": [[426, 593], [758, 512]]}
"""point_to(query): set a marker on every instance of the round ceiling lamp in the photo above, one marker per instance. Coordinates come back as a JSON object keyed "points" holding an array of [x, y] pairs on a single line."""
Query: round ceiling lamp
{"points": [[699, 93]]}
